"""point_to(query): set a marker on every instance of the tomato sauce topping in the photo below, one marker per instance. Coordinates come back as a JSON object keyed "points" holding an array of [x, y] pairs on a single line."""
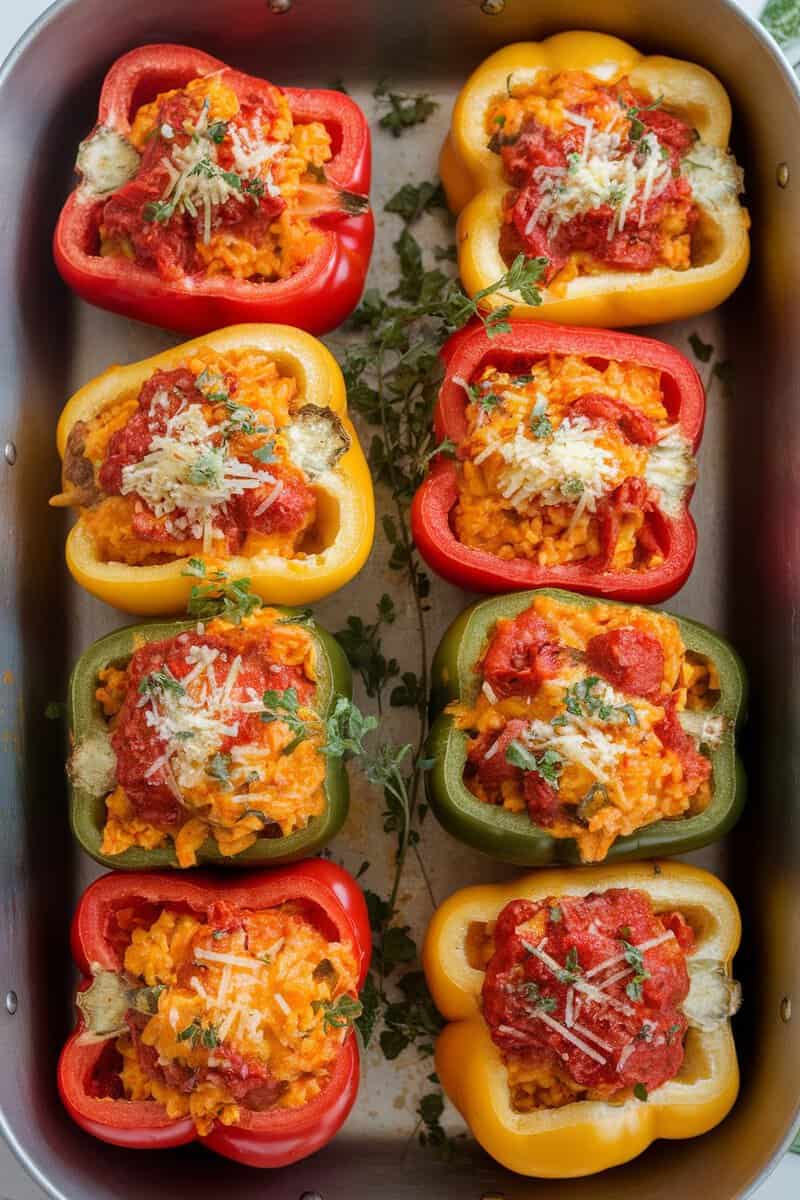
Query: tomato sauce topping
{"points": [[578, 720], [629, 659], [163, 236], [139, 741], [282, 503], [522, 653], [592, 988], [546, 216]]}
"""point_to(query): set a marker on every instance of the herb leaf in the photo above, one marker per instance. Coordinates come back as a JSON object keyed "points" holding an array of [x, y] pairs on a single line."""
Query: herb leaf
{"points": [[405, 110], [338, 1014], [701, 350], [220, 596]]}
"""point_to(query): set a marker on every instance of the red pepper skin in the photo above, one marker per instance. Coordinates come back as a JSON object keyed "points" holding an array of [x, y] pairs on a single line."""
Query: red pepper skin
{"points": [[317, 298], [270, 1139], [464, 354]]}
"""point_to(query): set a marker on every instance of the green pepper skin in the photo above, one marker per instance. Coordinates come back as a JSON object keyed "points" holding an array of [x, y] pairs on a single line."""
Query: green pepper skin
{"points": [[511, 837], [88, 810]]}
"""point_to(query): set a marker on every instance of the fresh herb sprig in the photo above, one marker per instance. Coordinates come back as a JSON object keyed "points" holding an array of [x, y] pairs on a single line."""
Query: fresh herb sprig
{"points": [[393, 373], [338, 1014], [220, 596]]}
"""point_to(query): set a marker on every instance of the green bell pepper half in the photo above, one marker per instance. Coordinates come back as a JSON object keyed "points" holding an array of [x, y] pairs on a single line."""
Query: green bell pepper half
{"points": [[86, 721], [512, 837]]}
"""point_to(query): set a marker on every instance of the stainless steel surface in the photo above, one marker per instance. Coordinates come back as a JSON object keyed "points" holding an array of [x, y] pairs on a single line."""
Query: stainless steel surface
{"points": [[745, 582]]}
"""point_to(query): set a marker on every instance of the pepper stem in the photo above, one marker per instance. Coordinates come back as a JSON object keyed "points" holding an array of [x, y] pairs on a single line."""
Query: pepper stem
{"points": [[107, 1001], [713, 996]]}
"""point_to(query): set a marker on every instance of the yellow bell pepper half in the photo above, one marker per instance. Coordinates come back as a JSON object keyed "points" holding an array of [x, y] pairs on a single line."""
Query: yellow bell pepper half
{"points": [[583, 1137], [472, 175], [345, 502]]}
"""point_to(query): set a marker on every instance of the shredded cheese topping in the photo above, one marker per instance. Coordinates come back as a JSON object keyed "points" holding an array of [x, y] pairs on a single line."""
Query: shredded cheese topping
{"points": [[185, 469], [603, 173], [198, 183]]}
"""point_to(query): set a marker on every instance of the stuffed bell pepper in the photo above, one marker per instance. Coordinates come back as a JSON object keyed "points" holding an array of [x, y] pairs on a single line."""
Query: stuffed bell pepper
{"points": [[209, 197], [235, 448], [217, 1010], [571, 463], [209, 741], [589, 1012], [610, 169], [572, 729]]}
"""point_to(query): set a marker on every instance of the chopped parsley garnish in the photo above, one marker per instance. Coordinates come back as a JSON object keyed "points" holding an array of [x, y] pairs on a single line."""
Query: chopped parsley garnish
{"points": [[338, 1015], [217, 130], [572, 487], [533, 992], [255, 188], [157, 210], [521, 380], [219, 768], [199, 1035], [266, 453], [285, 706], [580, 700], [548, 764], [486, 399], [572, 968], [573, 162], [500, 120], [161, 681], [670, 1033], [541, 427], [212, 385], [207, 470], [637, 127], [241, 419], [633, 957], [640, 1091], [555, 913]]}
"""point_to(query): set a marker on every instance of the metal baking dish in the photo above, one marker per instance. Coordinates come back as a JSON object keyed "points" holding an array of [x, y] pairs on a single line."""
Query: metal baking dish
{"points": [[746, 582]]}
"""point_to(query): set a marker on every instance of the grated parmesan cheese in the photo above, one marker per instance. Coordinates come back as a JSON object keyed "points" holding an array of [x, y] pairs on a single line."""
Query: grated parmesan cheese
{"points": [[555, 469]]}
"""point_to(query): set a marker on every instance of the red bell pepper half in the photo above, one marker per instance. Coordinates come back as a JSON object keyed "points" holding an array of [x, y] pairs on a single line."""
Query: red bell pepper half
{"points": [[465, 355], [317, 297], [261, 1139]]}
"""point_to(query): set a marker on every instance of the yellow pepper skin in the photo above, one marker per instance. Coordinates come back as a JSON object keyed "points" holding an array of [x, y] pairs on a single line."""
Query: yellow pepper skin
{"points": [[587, 1136], [474, 185], [345, 497]]}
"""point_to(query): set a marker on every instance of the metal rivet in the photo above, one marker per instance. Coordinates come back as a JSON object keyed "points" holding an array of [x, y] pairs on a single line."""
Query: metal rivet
{"points": [[782, 174], [492, 8], [279, 6], [786, 1009], [10, 453], [11, 1002]]}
